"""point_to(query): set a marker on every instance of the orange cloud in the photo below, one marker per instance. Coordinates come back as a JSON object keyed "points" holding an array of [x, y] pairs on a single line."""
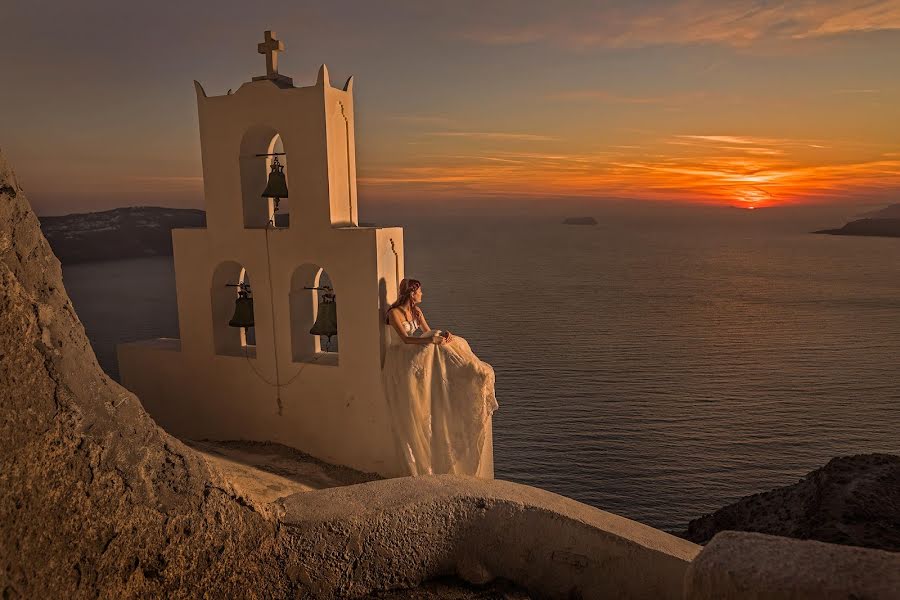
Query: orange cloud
{"points": [[747, 174]]}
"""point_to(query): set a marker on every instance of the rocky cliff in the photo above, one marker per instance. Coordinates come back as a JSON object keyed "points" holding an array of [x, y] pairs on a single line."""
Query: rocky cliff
{"points": [[94, 497], [852, 500]]}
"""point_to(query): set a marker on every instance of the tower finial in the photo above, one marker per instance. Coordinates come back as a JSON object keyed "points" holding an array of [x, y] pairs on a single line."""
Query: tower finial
{"points": [[271, 47]]}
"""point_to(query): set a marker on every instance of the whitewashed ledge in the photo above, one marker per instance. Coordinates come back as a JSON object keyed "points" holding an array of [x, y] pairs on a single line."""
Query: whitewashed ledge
{"points": [[400, 532], [753, 565]]}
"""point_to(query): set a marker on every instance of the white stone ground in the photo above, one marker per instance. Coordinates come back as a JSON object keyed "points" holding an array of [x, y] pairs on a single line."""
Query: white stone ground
{"points": [[262, 472]]}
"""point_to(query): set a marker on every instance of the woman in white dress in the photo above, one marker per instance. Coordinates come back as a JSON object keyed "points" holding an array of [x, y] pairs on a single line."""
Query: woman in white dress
{"points": [[441, 395]]}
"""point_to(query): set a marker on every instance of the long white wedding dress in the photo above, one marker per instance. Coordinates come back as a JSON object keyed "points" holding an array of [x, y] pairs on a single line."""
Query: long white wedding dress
{"points": [[441, 399]]}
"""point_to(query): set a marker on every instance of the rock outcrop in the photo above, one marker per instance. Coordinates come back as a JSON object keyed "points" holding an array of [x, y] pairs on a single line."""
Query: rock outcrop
{"points": [[852, 500]]}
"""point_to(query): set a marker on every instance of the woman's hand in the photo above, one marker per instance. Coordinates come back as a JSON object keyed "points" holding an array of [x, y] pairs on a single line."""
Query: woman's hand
{"points": [[442, 338]]}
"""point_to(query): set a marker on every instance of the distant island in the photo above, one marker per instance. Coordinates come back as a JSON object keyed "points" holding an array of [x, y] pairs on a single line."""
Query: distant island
{"points": [[128, 232], [873, 227], [579, 221], [880, 223], [131, 232]]}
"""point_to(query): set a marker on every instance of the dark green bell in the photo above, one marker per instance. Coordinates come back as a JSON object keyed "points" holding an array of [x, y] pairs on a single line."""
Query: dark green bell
{"points": [[277, 185], [326, 319], [243, 312]]}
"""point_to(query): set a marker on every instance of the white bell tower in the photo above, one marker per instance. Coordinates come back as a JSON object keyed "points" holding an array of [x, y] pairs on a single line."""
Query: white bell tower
{"points": [[315, 125], [277, 382]]}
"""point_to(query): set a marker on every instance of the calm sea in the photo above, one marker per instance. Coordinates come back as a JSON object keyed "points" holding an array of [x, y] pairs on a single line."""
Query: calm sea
{"points": [[658, 368]]}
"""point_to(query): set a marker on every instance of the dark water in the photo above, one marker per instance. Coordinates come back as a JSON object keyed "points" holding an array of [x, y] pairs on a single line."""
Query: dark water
{"points": [[656, 369]]}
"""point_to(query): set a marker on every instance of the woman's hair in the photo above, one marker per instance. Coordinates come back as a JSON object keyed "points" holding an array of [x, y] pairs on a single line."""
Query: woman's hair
{"points": [[407, 288]]}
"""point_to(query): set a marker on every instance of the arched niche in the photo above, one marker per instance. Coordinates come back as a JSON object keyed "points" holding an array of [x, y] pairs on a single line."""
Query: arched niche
{"points": [[304, 307], [228, 340], [258, 211]]}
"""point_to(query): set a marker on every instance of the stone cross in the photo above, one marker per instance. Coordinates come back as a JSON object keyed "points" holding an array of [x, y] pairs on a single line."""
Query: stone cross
{"points": [[270, 47]]}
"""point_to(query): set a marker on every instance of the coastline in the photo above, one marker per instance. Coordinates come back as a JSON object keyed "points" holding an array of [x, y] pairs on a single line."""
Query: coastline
{"points": [[869, 227]]}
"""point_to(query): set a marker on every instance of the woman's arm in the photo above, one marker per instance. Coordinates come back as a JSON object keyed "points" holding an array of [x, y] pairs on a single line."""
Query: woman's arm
{"points": [[394, 317]]}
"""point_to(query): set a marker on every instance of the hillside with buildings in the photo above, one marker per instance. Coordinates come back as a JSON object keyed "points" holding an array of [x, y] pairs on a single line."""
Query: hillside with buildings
{"points": [[126, 232], [129, 232]]}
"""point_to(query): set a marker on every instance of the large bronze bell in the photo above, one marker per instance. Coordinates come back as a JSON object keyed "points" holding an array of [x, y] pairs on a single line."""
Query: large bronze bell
{"points": [[243, 307], [326, 319], [276, 187]]}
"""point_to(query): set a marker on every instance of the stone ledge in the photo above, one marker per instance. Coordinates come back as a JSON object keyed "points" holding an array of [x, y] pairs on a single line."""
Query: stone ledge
{"points": [[401, 532], [754, 565]]}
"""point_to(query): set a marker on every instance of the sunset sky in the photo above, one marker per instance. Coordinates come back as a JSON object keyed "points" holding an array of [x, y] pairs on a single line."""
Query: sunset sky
{"points": [[731, 103]]}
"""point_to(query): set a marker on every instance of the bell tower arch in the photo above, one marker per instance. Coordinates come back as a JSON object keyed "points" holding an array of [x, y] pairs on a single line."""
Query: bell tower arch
{"points": [[316, 128], [256, 155]]}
